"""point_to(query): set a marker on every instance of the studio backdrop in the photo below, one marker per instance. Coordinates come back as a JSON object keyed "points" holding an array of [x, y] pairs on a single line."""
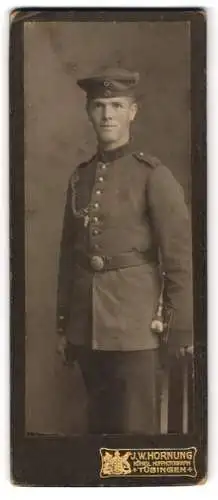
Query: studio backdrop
{"points": [[58, 136]]}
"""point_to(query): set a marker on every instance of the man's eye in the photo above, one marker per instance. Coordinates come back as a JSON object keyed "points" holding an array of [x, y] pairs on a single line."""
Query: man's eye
{"points": [[98, 105], [116, 105]]}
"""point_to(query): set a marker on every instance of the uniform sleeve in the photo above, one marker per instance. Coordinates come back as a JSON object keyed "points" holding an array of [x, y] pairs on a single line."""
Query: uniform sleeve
{"points": [[65, 263], [172, 231]]}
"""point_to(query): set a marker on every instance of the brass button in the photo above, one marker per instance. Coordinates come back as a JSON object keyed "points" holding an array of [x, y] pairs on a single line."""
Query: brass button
{"points": [[96, 246], [95, 232], [103, 166], [95, 219], [98, 191], [97, 262], [96, 205], [101, 179]]}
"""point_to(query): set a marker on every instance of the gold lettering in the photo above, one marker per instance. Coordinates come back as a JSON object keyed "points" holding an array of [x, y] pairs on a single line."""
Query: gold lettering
{"points": [[170, 470], [162, 470]]}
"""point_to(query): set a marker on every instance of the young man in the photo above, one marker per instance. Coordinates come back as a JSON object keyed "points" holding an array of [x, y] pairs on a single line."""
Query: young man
{"points": [[124, 209]]}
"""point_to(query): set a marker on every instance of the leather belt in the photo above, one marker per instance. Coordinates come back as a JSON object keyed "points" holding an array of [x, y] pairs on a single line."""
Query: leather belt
{"points": [[101, 263]]}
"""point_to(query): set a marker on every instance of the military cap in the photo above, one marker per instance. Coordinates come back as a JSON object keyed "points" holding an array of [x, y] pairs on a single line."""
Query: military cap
{"points": [[110, 83]]}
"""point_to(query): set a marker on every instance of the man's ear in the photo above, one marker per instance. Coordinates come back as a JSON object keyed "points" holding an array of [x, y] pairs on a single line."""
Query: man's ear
{"points": [[133, 110], [87, 107], [88, 112]]}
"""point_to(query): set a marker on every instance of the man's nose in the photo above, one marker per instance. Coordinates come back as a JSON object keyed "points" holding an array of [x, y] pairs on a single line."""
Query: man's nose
{"points": [[107, 112]]}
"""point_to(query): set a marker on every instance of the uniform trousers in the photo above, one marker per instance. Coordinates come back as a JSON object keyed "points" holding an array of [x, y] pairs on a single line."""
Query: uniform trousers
{"points": [[122, 389]]}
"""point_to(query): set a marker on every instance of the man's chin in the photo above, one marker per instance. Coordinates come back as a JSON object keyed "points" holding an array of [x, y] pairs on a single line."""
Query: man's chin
{"points": [[107, 136]]}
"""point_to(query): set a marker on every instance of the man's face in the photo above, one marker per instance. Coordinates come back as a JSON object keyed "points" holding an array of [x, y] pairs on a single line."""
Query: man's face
{"points": [[111, 118]]}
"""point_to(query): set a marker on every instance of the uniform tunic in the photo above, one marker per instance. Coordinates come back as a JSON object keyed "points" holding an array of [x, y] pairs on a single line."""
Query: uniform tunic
{"points": [[136, 206]]}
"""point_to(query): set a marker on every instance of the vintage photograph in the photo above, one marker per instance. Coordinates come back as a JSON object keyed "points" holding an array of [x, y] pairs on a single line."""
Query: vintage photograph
{"points": [[108, 229], [107, 134]]}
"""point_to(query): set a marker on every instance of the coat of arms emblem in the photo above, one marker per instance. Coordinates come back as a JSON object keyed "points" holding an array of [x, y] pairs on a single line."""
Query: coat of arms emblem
{"points": [[115, 464]]}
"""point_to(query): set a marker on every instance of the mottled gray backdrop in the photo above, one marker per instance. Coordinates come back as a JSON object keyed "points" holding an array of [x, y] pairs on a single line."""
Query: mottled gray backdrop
{"points": [[58, 137]]}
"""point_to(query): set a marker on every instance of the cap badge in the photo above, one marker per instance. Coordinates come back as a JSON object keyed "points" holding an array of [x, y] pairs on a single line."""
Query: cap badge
{"points": [[107, 93], [107, 83]]}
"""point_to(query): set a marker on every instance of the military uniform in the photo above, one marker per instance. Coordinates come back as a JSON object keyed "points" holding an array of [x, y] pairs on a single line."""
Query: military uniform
{"points": [[123, 210]]}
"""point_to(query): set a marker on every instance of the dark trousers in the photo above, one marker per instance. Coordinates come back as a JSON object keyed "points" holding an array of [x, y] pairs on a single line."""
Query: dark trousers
{"points": [[122, 389]]}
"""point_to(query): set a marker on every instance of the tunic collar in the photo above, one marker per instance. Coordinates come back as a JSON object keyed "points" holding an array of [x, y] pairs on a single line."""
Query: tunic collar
{"points": [[114, 154]]}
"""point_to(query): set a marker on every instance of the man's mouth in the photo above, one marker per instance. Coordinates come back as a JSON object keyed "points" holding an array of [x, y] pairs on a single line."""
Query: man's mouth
{"points": [[108, 126]]}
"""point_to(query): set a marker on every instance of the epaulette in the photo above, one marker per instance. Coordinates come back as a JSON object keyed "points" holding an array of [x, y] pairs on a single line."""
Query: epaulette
{"points": [[75, 174], [86, 163], [152, 161], [83, 164]]}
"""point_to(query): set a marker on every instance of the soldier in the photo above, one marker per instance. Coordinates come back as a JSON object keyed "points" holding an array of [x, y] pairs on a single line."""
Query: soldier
{"points": [[123, 210]]}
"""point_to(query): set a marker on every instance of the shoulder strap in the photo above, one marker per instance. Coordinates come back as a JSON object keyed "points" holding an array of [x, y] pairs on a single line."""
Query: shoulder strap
{"points": [[149, 160], [74, 178], [75, 174], [85, 163]]}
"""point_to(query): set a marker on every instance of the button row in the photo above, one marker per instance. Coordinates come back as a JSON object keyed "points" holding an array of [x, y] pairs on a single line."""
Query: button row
{"points": [[96, 204]]}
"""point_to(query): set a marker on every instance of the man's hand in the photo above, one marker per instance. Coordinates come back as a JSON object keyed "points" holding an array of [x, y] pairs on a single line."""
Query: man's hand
{"points": [[189, 349], [180, 352], [61, 348]]}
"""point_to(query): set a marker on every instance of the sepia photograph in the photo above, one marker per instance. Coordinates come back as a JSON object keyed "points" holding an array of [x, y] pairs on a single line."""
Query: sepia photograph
{"points": [[109, 234]]}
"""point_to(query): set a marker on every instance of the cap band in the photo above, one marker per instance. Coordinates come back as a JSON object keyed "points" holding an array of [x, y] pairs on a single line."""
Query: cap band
{"points": [[112, 83]]}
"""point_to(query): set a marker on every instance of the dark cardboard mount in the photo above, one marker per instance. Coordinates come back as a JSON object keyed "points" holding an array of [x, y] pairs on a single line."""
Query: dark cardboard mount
{"points": [[43, 460]]}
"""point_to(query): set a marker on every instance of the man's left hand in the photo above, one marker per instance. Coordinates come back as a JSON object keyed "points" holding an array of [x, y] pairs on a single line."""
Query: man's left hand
{"points": [[181, 352], [186, 350]]}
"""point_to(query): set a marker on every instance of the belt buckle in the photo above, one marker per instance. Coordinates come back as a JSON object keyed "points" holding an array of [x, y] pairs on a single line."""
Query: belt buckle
{"points": [[97, 262]]}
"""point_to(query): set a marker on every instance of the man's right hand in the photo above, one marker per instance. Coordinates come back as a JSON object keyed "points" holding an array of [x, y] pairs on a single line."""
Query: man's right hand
{"points": [[61, 348]]}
